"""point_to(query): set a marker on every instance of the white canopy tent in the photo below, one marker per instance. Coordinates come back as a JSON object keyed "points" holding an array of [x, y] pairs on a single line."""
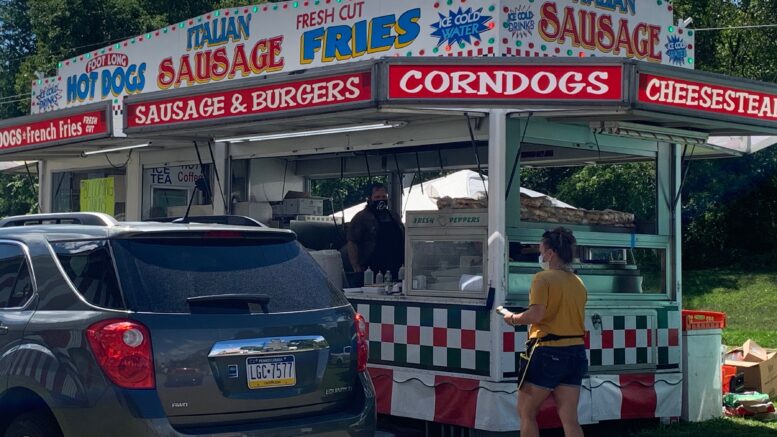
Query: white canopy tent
{"points": [[743, 144], [461, 184]]}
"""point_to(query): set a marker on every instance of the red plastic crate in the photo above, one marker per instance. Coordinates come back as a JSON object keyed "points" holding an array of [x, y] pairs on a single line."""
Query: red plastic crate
{"points": [[693, 319], [726, 373]]}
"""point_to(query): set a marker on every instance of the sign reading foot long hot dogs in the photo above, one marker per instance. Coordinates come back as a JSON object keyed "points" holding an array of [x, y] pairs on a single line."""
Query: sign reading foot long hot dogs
{"points": [[275, 98], [507, 82]]}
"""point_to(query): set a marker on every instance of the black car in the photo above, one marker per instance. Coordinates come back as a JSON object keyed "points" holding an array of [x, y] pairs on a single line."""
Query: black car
{"points": [[163, 329]]}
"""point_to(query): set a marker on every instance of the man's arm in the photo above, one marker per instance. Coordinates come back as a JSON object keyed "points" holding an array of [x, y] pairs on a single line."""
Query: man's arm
{"points": [[353, 256], [355, 233]]}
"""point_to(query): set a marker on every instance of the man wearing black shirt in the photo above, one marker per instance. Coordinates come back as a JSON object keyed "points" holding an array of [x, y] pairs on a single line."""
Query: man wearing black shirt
{"points": [[376, 236]]}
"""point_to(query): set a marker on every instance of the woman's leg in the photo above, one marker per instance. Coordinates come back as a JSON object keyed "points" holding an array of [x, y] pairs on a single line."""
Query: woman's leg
{"points": [[530, 399], [567, 398]]}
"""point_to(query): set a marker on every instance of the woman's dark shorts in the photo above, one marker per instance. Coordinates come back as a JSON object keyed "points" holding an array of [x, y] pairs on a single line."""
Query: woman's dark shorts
{"points": [[553, 366]]}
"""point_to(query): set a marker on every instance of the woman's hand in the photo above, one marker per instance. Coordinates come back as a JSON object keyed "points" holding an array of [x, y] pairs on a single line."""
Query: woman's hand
{"points": [[508, 318]]}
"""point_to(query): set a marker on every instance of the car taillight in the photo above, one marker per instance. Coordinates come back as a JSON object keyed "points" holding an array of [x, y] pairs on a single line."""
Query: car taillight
{"points": [[362, 346], [123, 350]]}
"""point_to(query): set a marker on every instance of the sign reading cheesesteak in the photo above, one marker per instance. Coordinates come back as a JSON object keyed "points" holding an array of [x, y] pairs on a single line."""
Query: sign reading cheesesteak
{"points": [[53, 130], [513, 82], [333, 90], [706, 97]]}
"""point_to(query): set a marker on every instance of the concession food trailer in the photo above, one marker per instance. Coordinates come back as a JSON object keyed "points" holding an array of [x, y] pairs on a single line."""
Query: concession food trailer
{"points": [[240, 110]]}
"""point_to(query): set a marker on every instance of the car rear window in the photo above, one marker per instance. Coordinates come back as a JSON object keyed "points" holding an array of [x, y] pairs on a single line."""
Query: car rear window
{"points": [[89, 266], [158, 275]]}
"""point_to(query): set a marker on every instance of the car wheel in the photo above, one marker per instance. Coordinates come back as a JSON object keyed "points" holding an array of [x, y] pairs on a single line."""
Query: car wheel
{"points": [[35, 424]]}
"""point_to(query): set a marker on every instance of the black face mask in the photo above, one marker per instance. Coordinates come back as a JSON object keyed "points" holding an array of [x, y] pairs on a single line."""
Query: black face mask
{"points": [[380, 205]]}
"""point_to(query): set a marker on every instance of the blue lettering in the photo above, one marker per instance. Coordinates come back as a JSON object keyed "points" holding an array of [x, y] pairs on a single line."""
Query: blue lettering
{"points": [[121, 81], [219, 31], [408, 28], [380, 36], [360, 43], [622, 6], [346, 42], [338, 43], [311, 43], [92, 83], [140, 83], [72, 88]]}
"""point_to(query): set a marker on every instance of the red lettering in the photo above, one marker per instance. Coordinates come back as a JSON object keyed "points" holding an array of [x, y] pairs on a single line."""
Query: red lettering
{"points": [[166, 75], [569, 28], [185, 72], [215, 65], [655, 37], [220, 66], [202, 66], [641, 44], [239, 62], [593, 31], [623, 40], [549, 22], [605, 33], [587, 29], [303, 21]]}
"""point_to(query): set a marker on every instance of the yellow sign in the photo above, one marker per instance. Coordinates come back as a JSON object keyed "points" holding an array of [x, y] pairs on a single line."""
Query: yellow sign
{"points": [[98, 195]]}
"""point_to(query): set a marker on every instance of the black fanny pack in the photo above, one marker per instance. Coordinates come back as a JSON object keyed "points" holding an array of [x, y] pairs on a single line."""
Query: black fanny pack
{"points": [[524, 358]]}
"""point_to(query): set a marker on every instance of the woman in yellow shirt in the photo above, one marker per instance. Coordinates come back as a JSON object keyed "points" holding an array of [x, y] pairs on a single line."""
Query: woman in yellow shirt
{"points": [[556, 311]]}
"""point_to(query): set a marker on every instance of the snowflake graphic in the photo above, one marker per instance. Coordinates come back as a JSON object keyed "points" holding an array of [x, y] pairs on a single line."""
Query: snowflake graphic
{"points": [[460, 26]]}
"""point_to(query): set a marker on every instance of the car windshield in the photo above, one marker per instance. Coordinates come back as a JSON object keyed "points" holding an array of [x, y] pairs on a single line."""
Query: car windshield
{"points": [[158, 275]]}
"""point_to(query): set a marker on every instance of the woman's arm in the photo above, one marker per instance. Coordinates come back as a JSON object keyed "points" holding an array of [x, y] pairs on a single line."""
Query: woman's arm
{"points": [[534, 314]]}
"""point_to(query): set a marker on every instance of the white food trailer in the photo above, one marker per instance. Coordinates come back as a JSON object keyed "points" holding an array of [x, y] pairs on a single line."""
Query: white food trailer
{"points": [[273, 98]]}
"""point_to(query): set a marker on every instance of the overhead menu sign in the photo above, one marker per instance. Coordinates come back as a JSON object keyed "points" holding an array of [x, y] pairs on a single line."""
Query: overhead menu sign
{"points": [[48, 130], [511, 83], [703, 97], [277, 98], [272, 38]]}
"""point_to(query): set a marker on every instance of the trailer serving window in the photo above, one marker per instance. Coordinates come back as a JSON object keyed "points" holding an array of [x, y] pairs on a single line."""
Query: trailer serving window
{"points": [[615, 194]]}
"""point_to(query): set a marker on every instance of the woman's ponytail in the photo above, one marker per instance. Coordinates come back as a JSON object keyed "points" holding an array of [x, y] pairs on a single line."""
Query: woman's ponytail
{"points": [[562, 242]]}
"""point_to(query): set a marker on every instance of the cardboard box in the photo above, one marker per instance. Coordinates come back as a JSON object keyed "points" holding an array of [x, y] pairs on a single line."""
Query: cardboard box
{"points": [[294, 207], [753, 352], [761, 377]]}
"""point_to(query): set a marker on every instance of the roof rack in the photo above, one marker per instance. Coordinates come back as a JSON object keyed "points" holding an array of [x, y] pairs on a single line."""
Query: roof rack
{"points": [[63, 218]]}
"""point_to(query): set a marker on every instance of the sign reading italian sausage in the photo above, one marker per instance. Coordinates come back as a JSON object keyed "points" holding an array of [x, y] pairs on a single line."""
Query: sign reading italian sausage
{"points": [[279, 97], [53, 130], [509, 82], [706, 97]]}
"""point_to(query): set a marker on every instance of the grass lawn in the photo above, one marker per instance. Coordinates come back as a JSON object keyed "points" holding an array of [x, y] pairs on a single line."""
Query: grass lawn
{"points": [[748, 299], [750, 303], [712, 428]]}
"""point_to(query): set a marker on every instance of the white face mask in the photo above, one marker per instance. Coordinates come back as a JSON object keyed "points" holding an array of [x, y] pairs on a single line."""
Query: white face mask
{"points": [[544, 264]]}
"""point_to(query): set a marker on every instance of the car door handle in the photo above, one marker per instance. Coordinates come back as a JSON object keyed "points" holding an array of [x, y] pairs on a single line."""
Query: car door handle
{"points": [[3, 330]]}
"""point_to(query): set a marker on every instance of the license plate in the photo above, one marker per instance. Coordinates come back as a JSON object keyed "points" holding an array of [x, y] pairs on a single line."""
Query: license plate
{"points": [[271, 372]]}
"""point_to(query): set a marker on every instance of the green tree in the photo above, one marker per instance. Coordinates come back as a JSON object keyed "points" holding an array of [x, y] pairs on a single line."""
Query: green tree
{"points": [[18, 195], [16, 42]]}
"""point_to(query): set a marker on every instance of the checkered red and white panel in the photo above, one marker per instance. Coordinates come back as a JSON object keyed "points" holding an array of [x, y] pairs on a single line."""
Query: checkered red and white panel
{"points": [[447, 339], [638, 340]]}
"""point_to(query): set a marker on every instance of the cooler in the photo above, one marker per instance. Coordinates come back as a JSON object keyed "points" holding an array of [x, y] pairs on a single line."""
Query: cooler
{"points": [[702, 395]]}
